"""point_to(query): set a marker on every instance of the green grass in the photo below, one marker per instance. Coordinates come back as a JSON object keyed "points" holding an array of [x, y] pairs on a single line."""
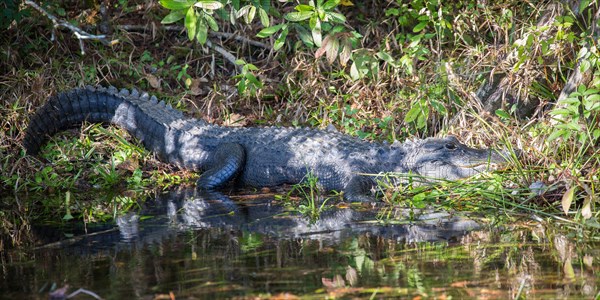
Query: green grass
{"points": [[307, 198]]}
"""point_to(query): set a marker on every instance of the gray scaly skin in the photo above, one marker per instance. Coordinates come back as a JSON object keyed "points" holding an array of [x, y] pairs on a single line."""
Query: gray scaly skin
{"points": [[257, 157]]}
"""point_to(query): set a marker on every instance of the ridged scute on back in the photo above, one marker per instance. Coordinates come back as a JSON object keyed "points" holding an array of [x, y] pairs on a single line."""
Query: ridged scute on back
{"points": [[98, 105], [159, 112]]}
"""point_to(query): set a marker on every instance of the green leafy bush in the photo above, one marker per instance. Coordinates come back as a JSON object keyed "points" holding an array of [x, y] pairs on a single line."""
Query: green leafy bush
{"points": [[9, 12]]}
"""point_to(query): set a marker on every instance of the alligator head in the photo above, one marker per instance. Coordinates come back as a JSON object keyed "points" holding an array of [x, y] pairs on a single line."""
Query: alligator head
{"points": [[447, 159]]}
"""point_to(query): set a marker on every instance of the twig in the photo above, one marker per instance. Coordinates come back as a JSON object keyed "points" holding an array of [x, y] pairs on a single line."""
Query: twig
{"points": [[78, 32], [74, 239], [228, 56], [239, 38], [84, 291], [222, 35]]}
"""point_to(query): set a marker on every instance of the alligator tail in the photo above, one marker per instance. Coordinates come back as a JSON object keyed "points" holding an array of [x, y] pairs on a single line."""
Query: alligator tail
{"points": [[138, 114]]}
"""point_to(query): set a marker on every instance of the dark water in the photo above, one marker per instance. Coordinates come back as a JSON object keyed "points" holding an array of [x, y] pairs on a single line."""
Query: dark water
{"points": [[191, 246]]}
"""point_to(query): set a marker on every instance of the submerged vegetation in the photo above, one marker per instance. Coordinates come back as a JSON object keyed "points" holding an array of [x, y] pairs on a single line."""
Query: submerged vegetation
{"points": [[509, 74]]}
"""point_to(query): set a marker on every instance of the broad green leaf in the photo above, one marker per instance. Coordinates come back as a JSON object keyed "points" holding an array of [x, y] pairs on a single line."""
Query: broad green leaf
{"points": [[202, 34], [530, 40], [235, 4], [281, 39], [330, 4], [265, 4], [502, 114], [438, 106], [420, 26], [422, 119], [571, 100], [413, 113], [177, 4], [584, 65], [560, 111], [385, 57], [253, 79], [567, 199], [305, 8], [190, 22], [250, 15], [545, 47], [337, 17], [392, 12], [583, 4], [241, 85], [569, 126], [243, 11], [406, 61], [212, 23], [174, 16], [208, 4], [298, 16], [321, 14], [251, 67], [445, 23], [337, 29], [266, 32], [591, 102], [305, 36], [264, 17], [592, 106]]}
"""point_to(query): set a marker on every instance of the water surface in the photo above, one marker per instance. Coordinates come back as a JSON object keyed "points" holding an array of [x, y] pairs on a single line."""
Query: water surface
{"points": [[194, 246]]}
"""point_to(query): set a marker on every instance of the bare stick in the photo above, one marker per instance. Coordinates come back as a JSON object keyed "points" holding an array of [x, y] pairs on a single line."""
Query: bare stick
{"points": [[78, 32], [239, 38], [222, 35], [83, 291], [228, 56]]}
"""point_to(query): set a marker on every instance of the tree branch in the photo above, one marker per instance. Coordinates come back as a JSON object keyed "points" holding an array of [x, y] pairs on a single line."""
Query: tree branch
{"points": [[239, 38], [228, 56], [222, 35], [78, 32]]}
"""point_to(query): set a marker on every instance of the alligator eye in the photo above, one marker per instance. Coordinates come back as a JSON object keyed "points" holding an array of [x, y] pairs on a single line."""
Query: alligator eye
{"points": [[450, 146]]}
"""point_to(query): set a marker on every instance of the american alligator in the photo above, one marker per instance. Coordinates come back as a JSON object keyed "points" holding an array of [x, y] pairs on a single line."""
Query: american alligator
{"points": [[259, 157]]}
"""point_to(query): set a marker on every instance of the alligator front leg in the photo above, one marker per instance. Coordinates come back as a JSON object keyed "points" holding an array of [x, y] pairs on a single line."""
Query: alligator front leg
{"points": [[224, 164], [358, 189]]}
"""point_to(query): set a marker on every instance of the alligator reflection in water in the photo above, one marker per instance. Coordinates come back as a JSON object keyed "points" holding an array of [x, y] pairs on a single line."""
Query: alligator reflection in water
{"points": [[188, 209], [191, 245]]}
